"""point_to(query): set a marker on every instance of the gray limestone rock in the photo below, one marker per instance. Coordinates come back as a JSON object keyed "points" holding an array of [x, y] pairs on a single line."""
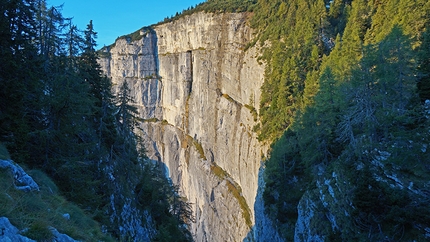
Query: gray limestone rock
{"points": [[9, 233], [59, 237], [22, 180]]}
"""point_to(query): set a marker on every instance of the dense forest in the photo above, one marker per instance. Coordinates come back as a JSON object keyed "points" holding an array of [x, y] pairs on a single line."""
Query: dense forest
{"points": [[58, 116], [344, 103]]}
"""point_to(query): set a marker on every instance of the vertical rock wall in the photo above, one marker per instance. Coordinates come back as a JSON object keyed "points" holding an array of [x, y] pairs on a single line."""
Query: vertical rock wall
{"points": [[198, 91]]}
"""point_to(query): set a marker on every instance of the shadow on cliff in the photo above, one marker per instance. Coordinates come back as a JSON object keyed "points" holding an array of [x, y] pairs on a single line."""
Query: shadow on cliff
{"points": [[263, 229], [162, 167], [155, 48]]}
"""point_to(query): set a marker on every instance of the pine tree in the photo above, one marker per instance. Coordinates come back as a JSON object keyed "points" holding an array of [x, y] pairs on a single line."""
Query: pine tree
{"points": [[20, 71], [100, 87], [50, 26], [127, 114], [73, 42], [90, 69], [316, 131], [395, 71]]}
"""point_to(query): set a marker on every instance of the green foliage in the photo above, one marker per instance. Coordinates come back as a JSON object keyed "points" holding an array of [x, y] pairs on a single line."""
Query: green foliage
{"points": [[199, 148], [172, 213], [235, 190], [381, 208], [4, 154], [137, 35], [343, 107], [284, 168], [39, 231], [216, 6], [151, 120], [164, 122], [227, 6], [127, 113], [424, 65], [58, 115], [295, 31], [38, 211], [17, 72], [253, 111]]}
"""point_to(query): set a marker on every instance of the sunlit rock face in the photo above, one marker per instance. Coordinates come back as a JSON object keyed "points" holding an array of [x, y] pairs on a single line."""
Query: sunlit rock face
{"points": [[197, 90]]}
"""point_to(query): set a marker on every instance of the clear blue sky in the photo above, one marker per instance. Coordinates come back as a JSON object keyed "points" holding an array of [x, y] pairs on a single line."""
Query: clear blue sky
{"points": [[113, 18]]}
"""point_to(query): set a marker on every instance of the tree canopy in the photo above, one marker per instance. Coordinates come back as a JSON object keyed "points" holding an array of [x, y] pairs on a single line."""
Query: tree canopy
{"points": [[345, 85]]}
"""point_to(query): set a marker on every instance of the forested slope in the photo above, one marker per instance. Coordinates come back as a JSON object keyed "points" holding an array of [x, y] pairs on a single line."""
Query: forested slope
{"points": [[59, 116], [344, 100]]}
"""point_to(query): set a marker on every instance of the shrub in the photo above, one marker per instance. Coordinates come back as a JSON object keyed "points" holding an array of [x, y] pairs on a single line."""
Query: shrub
{"points": [[4, 154], [40, 231]]}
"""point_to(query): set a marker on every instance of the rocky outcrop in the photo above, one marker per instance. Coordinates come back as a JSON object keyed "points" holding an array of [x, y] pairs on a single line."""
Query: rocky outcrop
{"points": [[22, 180], [263, 230], [197, 91], [8, 232]]}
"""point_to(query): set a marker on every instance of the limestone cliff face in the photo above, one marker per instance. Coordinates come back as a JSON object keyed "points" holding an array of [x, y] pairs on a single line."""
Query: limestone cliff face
{"points": [[198, 90]]}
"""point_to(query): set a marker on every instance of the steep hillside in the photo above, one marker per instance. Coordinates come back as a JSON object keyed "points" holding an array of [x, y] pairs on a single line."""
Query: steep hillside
{"points": [[59, 118], [347, 85], [33, 210]]}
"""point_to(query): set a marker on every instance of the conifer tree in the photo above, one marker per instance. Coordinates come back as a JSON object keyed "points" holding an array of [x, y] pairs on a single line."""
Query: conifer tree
{"points": [[349, 50], [317, 129], [100, 87], [127, 113], [20, 71], [396, 71], [50, 26], [90, 69], [424, 66], [73, 43]]}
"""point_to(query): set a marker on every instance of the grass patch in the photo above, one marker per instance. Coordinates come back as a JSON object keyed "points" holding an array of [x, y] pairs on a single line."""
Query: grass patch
{"points": [[137, 35], [39, 230], [235, 190], [164, 122], [185, 143], [230, 99], [150, 120], [237, 193], [219, 172], [226, 96], [199, 149], [151, 77], [38, 211], [253, 111]]}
